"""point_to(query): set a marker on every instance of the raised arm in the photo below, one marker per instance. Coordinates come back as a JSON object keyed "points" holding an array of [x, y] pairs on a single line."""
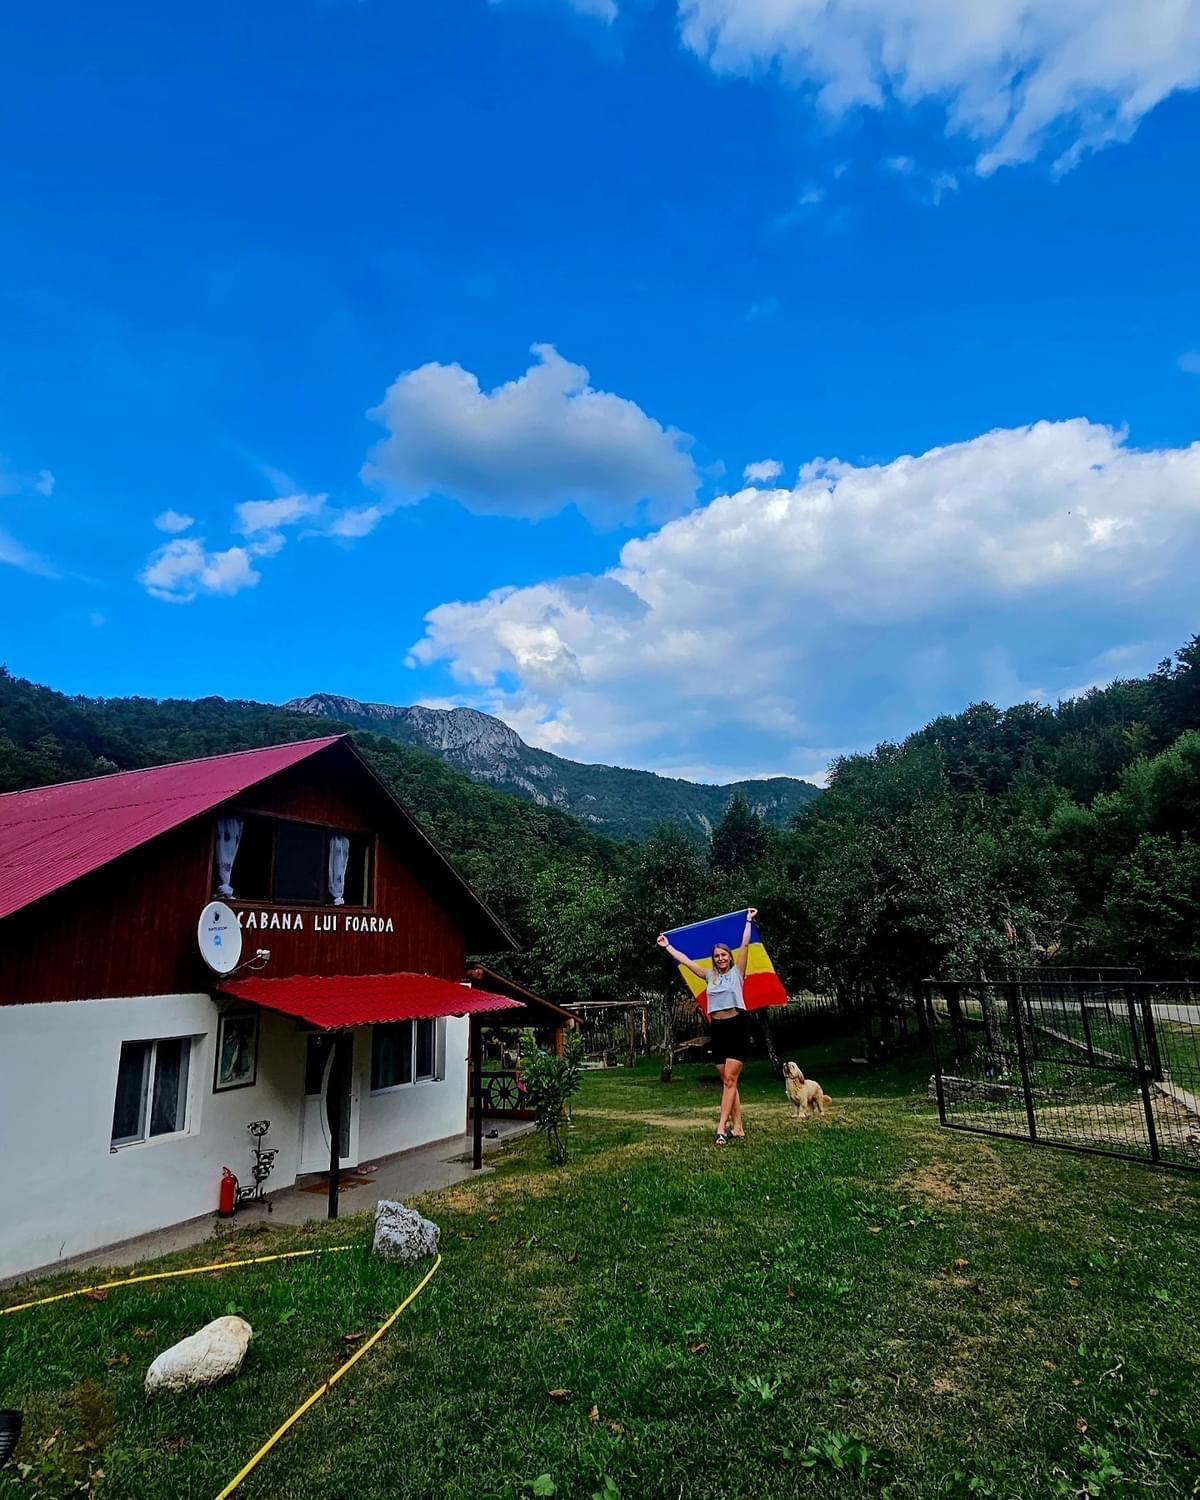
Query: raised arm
{"points": [[681, 958], [743, 952]]}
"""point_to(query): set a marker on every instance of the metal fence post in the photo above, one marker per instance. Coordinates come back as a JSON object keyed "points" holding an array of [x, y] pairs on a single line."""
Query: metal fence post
{"points": [[953, 991], [1152, 1054], [1018, 1026], [1143, 1074], [926, 1002], [1087, 1031]]}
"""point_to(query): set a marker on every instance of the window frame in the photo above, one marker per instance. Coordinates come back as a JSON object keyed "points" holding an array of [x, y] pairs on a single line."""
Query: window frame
{"points": [[435, 1022], [272, 903], [149, 1078], [431, 1076]]}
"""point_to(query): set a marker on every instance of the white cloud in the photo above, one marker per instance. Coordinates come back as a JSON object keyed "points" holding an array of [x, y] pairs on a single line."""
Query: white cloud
{"points": [[530, 447], [173, 522], [808, 198], [16, 555], [1190, 363], [254, 516], [351, 524], [738, 633], [183, 569], [926, 183], [267, 544], [13, 482], [600, 10], [279, 480], [1127, 660], [1014, 76], [763, 471]]}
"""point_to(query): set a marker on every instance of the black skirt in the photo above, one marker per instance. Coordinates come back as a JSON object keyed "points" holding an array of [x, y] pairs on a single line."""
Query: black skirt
{"points": [[731, 1038]]}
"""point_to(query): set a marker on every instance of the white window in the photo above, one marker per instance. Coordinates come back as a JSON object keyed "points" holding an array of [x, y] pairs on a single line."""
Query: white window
{"points": [[403, 1052], [152, 1090]]}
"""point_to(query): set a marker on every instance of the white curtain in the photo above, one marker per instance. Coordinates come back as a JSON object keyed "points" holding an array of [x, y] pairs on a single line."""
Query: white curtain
{"points": [[229, 836], [339, 858]]}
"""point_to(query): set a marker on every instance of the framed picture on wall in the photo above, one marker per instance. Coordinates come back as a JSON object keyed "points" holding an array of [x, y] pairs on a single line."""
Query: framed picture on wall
{"points": [[237, 1050]]}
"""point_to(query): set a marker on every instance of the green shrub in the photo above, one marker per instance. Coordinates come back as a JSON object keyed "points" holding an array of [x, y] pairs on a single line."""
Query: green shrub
{"points": [[550, 1083]]}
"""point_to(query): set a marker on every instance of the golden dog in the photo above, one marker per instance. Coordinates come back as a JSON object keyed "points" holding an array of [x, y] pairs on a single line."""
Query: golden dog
{"points": [[807, 1095]]}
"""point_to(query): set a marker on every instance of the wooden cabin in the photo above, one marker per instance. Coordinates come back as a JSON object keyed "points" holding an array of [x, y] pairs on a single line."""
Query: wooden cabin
{"points": [[130, 1070]]}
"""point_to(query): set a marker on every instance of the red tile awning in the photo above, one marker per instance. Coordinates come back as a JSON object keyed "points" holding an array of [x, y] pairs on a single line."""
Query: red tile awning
{"points": [[336, 1001]]}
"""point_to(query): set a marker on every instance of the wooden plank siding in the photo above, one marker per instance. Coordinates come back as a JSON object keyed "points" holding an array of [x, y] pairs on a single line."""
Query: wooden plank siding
{"points": [[130, 928]]}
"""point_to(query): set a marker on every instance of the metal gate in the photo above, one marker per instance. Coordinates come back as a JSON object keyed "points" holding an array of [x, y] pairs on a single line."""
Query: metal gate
{"points": [[1106, 1067]]}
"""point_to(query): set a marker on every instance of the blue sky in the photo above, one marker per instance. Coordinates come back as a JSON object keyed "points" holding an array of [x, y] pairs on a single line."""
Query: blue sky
{"points": [[495, 303]]}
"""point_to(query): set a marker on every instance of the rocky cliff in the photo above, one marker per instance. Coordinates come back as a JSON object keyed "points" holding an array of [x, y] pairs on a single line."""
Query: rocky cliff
{"points": [[618, 801]]}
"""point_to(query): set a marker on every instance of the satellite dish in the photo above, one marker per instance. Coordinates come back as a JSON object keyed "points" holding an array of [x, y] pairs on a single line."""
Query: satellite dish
{"points": [[220, 938]]}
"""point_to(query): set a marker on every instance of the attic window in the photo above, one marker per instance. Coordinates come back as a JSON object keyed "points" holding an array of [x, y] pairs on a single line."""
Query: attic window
{"points": [[290, 863]]}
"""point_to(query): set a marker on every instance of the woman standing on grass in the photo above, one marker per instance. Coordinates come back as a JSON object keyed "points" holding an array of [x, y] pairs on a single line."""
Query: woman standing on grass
{"points": [[728, 1022]]}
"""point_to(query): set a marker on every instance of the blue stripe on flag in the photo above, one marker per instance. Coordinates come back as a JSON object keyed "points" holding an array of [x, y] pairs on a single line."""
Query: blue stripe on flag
{"points": [[699, 939]]}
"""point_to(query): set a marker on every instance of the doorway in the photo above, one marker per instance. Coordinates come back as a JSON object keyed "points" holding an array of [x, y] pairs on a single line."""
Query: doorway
{"points": [[328, 1065]]}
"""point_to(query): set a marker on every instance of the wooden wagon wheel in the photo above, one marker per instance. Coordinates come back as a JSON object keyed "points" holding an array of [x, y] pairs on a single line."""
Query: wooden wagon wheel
{"points": [[502, 1093]]}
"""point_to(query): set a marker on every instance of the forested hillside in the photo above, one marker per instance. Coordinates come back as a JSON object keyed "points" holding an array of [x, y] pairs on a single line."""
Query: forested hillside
{"points": [[988, 839], [984, 842]]}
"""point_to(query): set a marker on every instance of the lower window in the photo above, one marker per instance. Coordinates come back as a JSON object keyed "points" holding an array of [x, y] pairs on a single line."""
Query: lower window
{"points": [[152, 1090], [403, 1052]]}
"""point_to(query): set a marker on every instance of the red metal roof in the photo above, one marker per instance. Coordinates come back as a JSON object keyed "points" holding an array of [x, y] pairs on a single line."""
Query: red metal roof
{"points": [[52, 835], [332, 1002]]}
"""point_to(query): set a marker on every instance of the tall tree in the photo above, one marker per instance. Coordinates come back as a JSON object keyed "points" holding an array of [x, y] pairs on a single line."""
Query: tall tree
{"points": [[739, 841], [667, 886], [1176, 690]]}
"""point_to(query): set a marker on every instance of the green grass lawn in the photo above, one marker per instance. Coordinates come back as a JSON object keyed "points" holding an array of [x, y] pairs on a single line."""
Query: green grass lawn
{"points": [[862, 1305]]}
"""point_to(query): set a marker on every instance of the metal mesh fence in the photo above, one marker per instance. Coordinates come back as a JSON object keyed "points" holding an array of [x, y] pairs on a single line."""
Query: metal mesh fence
{"points": [[1106, 1065]]}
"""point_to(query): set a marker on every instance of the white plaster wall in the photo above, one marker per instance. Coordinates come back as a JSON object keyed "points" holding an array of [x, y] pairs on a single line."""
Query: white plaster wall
{"points": [[63, 1191], [414, 1113]]}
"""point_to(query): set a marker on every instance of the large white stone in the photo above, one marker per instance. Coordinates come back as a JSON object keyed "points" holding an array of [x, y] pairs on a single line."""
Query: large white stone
{"points": [[402, 1234], [215, 1353]]}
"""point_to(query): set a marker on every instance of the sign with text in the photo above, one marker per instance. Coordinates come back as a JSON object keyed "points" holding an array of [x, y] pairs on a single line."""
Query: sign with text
{"points": [[313, 921]]}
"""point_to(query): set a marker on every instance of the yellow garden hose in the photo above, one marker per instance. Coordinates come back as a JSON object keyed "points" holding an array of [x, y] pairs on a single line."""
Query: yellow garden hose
{"points": [[329, 1384], [229, 1265], [220, 1265]]}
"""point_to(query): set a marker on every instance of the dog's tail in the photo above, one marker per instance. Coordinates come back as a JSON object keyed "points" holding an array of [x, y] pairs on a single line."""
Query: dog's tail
{"points": [[825, 1099]]}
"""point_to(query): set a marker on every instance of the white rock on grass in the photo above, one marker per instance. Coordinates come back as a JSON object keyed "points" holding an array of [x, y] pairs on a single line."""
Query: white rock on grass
{"points": [[402, 1234], [215, 1353]]}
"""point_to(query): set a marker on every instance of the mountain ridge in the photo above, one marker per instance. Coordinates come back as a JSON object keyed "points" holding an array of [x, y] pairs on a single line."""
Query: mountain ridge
{"points": [[620, 801]]}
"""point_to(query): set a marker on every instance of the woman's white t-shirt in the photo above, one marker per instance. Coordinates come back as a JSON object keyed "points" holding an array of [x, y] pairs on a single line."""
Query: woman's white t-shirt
{"points": [[725, 990]]}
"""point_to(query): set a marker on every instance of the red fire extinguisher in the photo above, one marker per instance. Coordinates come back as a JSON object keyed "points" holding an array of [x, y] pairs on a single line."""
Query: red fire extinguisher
{"points": [[227, 1201]]}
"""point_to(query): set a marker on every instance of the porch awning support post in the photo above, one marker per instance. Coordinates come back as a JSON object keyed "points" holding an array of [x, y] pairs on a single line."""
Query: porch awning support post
{"points": [[476, 1093]]}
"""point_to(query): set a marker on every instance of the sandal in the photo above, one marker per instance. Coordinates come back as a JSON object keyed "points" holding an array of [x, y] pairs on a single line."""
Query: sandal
{"points": [[722, 1139]]}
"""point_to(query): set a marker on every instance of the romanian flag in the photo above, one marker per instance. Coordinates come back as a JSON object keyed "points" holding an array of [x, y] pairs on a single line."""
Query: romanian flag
{"points": [[762, 987]]}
